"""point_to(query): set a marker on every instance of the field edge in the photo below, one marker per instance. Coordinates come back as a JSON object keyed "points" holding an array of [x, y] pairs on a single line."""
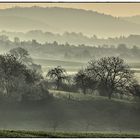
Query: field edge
{"points": [[43, 134]]}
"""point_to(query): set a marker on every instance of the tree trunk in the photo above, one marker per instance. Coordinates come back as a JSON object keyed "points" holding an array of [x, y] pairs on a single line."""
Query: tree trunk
{"points": [[58, 84], [109, 97], [121, 96], [84, 90], [109, 94], [69, 96], [110, 91]]}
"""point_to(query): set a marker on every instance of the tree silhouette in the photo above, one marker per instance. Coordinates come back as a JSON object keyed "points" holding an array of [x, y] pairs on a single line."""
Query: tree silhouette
{"points": [[112, 73], [83, 81], [135, 89], [58, 74], [21, 55]]}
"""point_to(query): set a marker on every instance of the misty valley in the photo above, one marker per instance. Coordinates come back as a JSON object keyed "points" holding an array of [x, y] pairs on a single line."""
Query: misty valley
{"points": [[59, 78]]}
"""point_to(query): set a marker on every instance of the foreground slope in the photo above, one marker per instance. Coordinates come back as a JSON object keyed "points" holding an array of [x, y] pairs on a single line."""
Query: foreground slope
{"points": [[77, 113], [44, 134]]}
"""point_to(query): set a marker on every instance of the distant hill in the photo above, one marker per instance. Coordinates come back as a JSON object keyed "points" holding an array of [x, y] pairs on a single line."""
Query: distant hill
{"points": [[133, 19], [66, 19], [74, 38], [19, 23]]}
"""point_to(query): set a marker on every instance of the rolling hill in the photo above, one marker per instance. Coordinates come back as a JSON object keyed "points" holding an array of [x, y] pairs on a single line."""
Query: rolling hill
{"points": [[67, 19], [133, 19], [14, 23]]}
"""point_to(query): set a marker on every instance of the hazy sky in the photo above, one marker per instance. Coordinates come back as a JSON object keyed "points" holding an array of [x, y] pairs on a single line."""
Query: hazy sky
{"points": [[115, 9]]}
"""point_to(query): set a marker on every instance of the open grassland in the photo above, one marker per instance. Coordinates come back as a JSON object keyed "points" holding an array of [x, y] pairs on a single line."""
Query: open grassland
{"points": [[41, 134], [77, 115], [87, 97]]}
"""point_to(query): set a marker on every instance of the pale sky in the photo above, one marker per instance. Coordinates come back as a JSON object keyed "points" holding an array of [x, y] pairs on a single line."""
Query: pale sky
{"points": [[114, 9]]}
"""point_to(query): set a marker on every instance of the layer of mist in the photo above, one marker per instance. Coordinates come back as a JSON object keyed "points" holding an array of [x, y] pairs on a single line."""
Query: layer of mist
{"points": [[58, 68]]}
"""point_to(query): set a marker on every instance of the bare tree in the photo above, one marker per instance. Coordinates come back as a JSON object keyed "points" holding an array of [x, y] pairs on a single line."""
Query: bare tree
{"points": [[112, 73], [135, 89], [21, 55], [58, 74], [84, 81]]}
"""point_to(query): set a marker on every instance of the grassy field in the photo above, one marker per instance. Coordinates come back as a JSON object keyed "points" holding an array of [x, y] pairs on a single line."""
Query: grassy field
{"points": [[69, 117], [80, 113], [80, 116], [41, 134], [88, 97]]}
